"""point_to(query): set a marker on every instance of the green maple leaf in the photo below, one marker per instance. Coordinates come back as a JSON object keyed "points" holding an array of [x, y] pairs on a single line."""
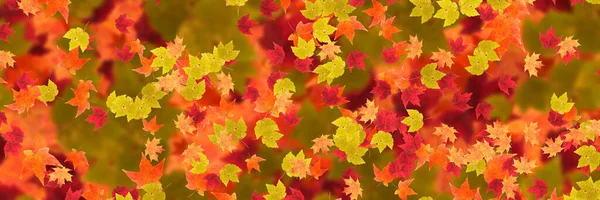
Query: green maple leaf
{"points": [[341, 10], [430, 76], [593, 1], [163, 60], [478, 65], [348, 136], [49, 92], [498, 5], [478, 167], [196, 70], [226, 52], [382, 139], [322, 30], [354, 155], [449, 12], [235, 2], [210, 62], [200, 166], [192, 90], [282, 86], [486, 48], [154, 191], [330, 70], [151, 94], [588, 190], [561, 104], [275, 192], [423, 9], [304, 49], [312, 10], [127, 197], [414, 120], [291, 162], [269, 131], [468, 7], [238, 130], [589, 157], [79, 38], [229, 173], [119, 105], [138, 110]]}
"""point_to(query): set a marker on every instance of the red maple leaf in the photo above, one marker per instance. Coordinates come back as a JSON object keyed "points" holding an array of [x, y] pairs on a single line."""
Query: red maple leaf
{"points": [[13, 139], [453, 169], [386, 121], [3, 119], [411, 94], [195, 113], [73, 195], [275, 55], [355, 59], [251, 93], [389, 55], [11, 4], [483, 109], [5, 31], [256, 196], [24, 81], [447, 82], [495, 186], [332, 96], [459, 101], [212, 181], [486, 13], [356, 3], [549, 40], [123, 191], [403, 165], [382, 89], [506, 83], [340, 154], [556, 119], [98, 118], [147, 173], [290, 118], [303, 65], [245, 24], [294, 195], [457, 46], [350, 173], [267, 7], [539, 188], [273, 77], [411, 143], [122, 23], [124, 54]]}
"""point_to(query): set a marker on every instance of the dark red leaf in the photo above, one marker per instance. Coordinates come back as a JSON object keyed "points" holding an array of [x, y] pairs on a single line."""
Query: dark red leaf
{"points": [[382, 89], [5, 31], [411, 94], [195, 113], [124, 54], [506, 83], [403, 165], [290, 118], [11, 4], [340, 154], [350, 173], [267, 7], [459, 101], [389, 55], [332, 96], [73, 195], [453, 169], [256, 196], [457, 46], [539, 188], [245, 24], [212, 181], [570, 56], [251, 93], [386, 121], [122, 23], [13, 139], [98, 118], [275, 55], [273, 77], [303, 65], [24, 81], [483, 109], [556, 119], [447, 82], [294, 194], [495, 186], [3, 119], [549, 40], [486, 13], [355, 59], [411, 143], [356, 3], [123, 192]]}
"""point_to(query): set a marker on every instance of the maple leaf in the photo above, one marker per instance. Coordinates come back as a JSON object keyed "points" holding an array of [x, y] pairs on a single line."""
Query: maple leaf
{"points": [[330, 70], [347, 28], [506, 83], [82, 94], [125, 54], [252, 163], [381, 140], [322, 144], [524, 166], [269, 131], [122, 23], [449, 12], [316, 169], [93, 193], [303, 65], [37, 161], [560, 104], [457, 46], [29, 6], [200, 165], [460, 101], [329, 50], [71, 61], [98, 118], [464, 192], [322, 30], [549, 40], [275, 55], [245, 24], [443, 58], [414, 120], [539, 188], [151, 126], [423, 9], [532, 64], [414, 48], [389, 55], [589, 156], [78, 159], [531, 133], [447, 82], [276, 192], [48, 93], [24, 99], [60, 175], [356, 3], [267, 7], [73, 195], [304, 48], [446, 132], [430, 76], [486, 13], [468, 7], [567, 48], [403, 190], [146, 68], [411, 95], [377, 12], [229, 173], [13, 139], [509, 186], [382, 89], [153, 149], [235, 2], [296, 165], [3, 119], [6, 59], [355, 59], [147, 173], [5, 31], [368, 112], [388, 29], [353, 188], [79, 38], [553, 147], [386, 121], [383, 176], [332, 96], [290, 118], [483, 109]]}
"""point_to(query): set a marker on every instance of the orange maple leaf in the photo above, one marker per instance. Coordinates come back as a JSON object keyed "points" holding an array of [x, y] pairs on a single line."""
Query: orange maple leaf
{"points": [[195, 182], [383, 176], [53, 6], [93, 193], [403, 190], [78, 159], [224, 196], [285, 4], [24, 99], [82, 94], [147, 173], [322, 144], [151, 126], [347, 28], [36, 162], [136, 46], [439, 156], [377, 12], [252, 163], [464, 192], [146, 69], [388, 29], [316, 168], [71, 61]]}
